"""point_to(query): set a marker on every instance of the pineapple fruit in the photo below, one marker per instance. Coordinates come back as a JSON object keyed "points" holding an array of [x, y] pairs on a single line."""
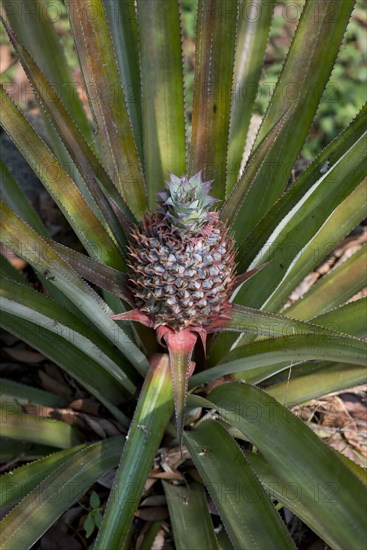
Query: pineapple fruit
{"points": [[181, 274]]}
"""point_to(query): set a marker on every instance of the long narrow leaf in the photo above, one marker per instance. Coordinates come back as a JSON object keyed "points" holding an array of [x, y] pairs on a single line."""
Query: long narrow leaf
{"points": [[299, 88], [215, 47], [257, 170], [149, 422], [305, 382], [106, 96], [349, 318], [247, 513], [334, 289], [16, 424], [188, 509], [25, 394], [39, 36], [15, 198], [32, 306], [85, 160], [340, 223], [124, 29], [301, 225], [15, 484], [27, 522], [259, 323], [162, 93], [287, 493], [252, 245], [299, 347], [87, 372], [59, 184], [100, 274], [254, 24], [25, 242], [327, 488]]}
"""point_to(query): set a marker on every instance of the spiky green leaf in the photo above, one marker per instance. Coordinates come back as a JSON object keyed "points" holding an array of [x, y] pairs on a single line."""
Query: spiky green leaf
{"points": [[189, 513], [77, 364], [106, 97], [313, 468], [300, 348], [311, 381], [25, 242], [247, 513], [27, 522], [162, 92], [252, 245], [215, 47], [149, 422], [16, 484], [16, 424], [253, 30], [85, 223], [124, 29], [296, 232], [32, 306], [299, 88], [338, 286]]}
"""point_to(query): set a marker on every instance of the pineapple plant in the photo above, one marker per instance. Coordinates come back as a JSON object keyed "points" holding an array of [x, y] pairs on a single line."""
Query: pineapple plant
{"points": [[178, 303]]}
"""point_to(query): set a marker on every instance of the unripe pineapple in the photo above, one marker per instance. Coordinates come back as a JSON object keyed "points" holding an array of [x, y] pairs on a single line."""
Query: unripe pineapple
{"points": [[182, 259]]}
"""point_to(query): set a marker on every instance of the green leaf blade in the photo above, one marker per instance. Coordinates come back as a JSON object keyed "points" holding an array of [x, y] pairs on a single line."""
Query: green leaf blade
{"points": [[189, 513], [254, 26], [86, 225], [32, 306], [25, 394], [252, 245], [299, 88], [300, 347], [233, 211], [39, 35], [106, 96], [312, 466], [124, 29], [248, 515], [162, 93], [15, 424], [69, 482], [346, 216], [336, 288], [350, 319], [15, 198], [215, 47], [91, 170], [38, 252], [149, 422], [14, 485], [310, 381], [296, 232], [88, 373]]}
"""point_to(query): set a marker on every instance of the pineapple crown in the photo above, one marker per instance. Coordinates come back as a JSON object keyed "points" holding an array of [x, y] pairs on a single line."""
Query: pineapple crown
{"points": [[186, 202]]}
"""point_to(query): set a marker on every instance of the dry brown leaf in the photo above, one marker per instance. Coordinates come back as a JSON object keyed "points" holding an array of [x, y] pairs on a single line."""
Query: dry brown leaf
{"points": [[155, 513], [24, 355], [52, 381]]}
